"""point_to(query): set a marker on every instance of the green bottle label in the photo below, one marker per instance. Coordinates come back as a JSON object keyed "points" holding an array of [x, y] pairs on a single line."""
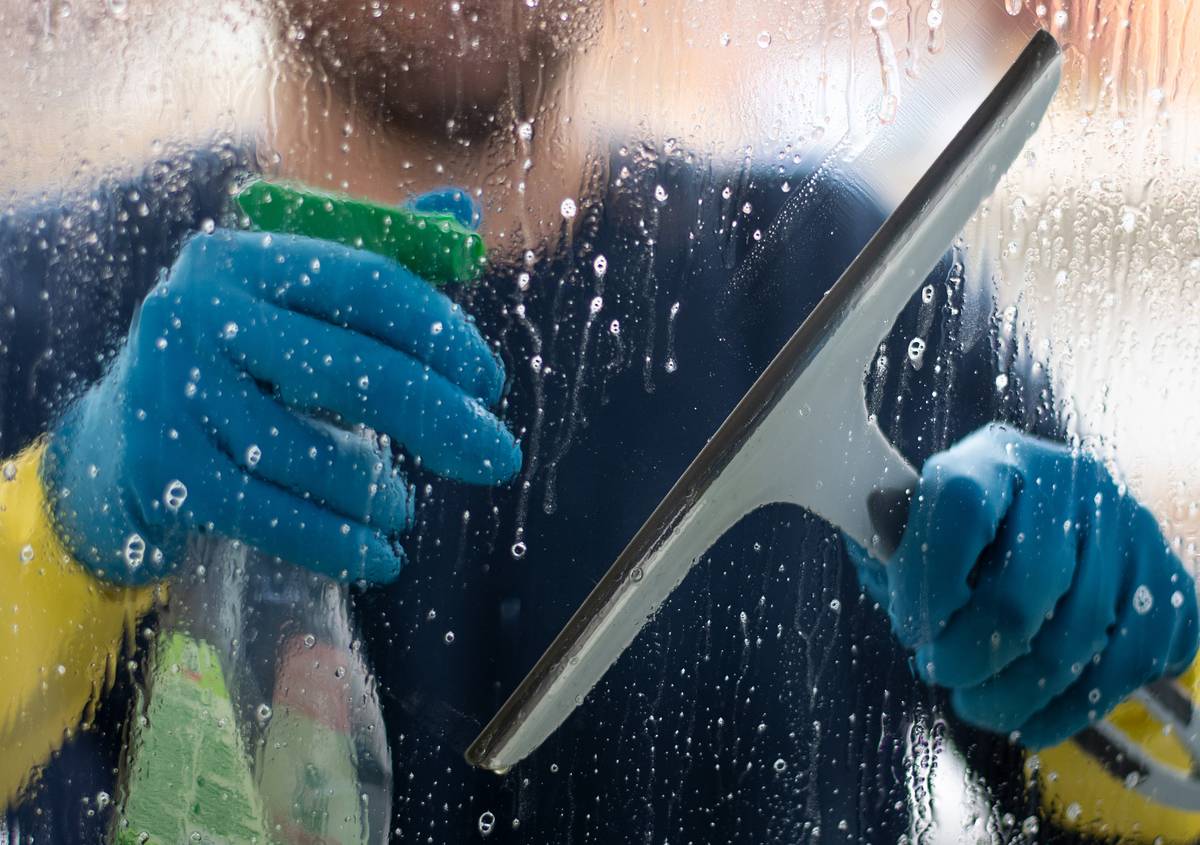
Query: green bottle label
{"points": [[188, 777]]}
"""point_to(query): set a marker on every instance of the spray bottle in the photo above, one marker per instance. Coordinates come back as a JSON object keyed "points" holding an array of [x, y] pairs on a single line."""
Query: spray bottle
{"points": [[260, 721]]}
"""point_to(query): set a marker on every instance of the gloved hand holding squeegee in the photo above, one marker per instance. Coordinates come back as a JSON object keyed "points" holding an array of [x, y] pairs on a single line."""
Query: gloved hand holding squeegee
{"points": [[1033, 587], [1025, 579]]}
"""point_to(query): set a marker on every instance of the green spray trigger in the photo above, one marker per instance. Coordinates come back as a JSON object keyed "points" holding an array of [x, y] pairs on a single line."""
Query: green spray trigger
{"points": [[433, 245]]}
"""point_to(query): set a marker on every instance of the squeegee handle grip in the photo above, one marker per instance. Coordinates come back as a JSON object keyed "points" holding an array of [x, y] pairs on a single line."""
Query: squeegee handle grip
{"points": [[888, 510]]}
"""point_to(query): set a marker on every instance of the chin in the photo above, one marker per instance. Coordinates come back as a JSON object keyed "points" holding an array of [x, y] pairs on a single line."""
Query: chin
{"points": [[440, 64]]}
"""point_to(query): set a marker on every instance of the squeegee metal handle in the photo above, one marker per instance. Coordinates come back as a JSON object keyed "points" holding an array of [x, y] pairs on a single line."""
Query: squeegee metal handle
{"points": [[775, 446]]}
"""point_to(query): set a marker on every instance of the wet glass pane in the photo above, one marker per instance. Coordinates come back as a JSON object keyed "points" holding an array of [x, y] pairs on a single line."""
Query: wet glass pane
{"points": [[345, 345]]}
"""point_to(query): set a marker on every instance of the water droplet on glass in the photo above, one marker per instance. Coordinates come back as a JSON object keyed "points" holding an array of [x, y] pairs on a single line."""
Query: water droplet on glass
{"points": [[518, 549], [449, 638], [230, 330], [916, 352], [135, 551], [253, 455], [877, 14], [1001, 381], [763, 39], [9, 471], [660, 193], [568, 208], [1013, 7], [309, 641], [1177, 599], [487, 823], [779, 765], [175, 495], [26, 553], [525, 130], [600, 265], [1143, 600], [263, 713]]}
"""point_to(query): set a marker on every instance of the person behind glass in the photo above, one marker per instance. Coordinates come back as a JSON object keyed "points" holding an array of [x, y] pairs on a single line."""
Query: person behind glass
{"points": [[1029, 583]]}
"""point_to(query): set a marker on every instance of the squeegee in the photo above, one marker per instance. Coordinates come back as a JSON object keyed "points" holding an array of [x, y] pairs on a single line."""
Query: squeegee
{"points": [[801, 434]]}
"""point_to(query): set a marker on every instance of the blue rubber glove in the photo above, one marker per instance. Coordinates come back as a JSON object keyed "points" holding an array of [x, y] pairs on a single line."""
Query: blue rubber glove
{"points": [[1032, 587], [239, 402]]}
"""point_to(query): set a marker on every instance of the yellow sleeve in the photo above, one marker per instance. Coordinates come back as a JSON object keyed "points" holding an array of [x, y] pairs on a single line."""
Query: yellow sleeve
{"points": [[61, 630], [1094, 790]]}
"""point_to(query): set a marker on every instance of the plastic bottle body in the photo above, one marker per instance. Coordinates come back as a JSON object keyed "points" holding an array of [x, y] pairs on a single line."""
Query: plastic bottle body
{"points": [[307, 736]]}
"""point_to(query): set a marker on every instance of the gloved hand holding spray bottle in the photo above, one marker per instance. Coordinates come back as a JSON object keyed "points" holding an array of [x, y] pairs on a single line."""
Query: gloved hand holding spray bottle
{"points": [[260, 720]]}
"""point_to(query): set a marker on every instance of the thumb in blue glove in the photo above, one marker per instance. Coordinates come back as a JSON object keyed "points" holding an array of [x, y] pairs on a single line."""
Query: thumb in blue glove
{"points": [[1033, 587], [239, 403]]}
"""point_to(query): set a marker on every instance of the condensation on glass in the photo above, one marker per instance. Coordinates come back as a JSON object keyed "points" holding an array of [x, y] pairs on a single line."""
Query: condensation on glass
{"points": [[628, 158]]}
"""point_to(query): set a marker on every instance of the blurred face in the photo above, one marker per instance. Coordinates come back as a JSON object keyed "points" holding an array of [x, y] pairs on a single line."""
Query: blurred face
{"points": [[433, 61]]}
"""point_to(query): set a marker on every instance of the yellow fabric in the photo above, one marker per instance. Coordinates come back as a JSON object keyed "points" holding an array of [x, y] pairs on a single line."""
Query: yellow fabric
{"points": [[61, 631], [1078, 794]]}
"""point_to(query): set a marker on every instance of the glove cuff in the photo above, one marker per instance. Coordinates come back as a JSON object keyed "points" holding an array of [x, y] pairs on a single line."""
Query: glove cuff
{"points": [[86, 506], [63, 634], [1078, 792]]}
